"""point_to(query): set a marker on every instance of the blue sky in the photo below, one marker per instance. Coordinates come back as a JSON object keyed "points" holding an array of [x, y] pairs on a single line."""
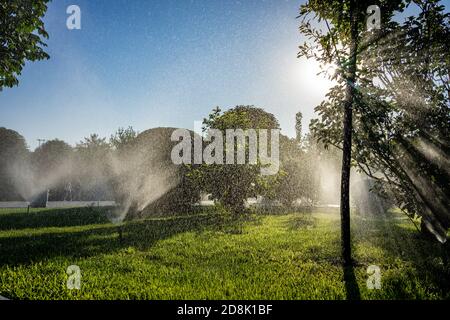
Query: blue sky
{"points": [[162, 63]]}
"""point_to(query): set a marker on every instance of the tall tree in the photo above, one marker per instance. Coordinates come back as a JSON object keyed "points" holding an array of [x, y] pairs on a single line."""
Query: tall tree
{"points": [[350, 78], [335, 37], [401, 111], [344, 16], [22, 36]]}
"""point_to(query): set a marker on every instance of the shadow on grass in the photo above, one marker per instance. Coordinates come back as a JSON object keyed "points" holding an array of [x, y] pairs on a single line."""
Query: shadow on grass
{"points": [[52, 218], [428, 258], [351, 284], [98, 240]]}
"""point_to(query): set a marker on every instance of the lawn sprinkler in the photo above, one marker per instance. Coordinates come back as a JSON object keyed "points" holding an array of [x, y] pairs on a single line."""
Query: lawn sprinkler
{"points": [[119, 225]]}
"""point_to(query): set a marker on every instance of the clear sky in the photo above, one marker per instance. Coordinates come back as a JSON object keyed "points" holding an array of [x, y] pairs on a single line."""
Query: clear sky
{"points": [[148, 63]]}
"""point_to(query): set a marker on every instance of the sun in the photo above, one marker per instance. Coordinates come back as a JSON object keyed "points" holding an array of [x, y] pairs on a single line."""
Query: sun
{"points": [[314, 78]]}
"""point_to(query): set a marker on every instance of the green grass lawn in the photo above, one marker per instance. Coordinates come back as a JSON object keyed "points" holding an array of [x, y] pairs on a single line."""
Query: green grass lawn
{"points": [[293, 256]]}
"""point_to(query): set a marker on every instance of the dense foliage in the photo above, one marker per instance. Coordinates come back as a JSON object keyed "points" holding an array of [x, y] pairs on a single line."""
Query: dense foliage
{"points": [[22, 34], [401, 110]]}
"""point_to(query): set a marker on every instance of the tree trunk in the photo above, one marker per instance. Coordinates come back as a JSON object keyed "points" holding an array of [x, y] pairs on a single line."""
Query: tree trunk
{"points": [[347, 143]]}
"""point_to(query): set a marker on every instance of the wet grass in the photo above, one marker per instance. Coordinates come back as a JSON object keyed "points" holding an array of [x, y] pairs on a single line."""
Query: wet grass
{"points": [[207, 256]]}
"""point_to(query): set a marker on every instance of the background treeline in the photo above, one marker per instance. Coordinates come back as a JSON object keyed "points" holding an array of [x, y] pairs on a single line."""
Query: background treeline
{"points": [[130, 168], [70, 173]]}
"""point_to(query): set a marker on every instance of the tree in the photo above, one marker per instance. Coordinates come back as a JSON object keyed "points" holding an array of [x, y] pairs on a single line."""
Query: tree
{"points": [[337, 41], [147, 182], [123, 138], [298, 173], [407, 125], [21, 37], [94, 145], [344, 17], [94, 172], [52, 168], [401, 111], [51, 155], [233, 184], [298, 178], [13, 156]]}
